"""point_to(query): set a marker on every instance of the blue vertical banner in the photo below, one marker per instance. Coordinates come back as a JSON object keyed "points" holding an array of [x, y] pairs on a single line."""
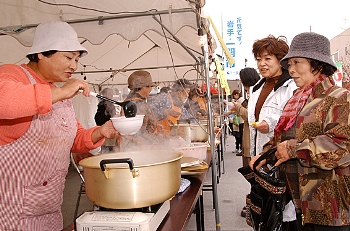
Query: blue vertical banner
{"points": [[233, 37], [227, 53]]}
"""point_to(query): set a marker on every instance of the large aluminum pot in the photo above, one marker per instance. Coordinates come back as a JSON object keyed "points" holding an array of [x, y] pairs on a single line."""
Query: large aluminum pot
{"points": [[127, 180], [198, 132]]}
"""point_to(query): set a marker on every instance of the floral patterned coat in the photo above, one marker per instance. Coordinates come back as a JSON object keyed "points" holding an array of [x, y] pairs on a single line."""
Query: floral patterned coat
{"points": [[318, 173]]}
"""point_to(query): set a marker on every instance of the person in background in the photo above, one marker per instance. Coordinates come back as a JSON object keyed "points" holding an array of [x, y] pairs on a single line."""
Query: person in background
{"points": [[192, 104], [237, 128], [202, 101], [39, 129], [271, 93], [249, 77], [160, 102], [313, 140], [268, 97], [141, 84], [179, 92], [166, 112], [216, 105], [230, 116], [105, 111]]}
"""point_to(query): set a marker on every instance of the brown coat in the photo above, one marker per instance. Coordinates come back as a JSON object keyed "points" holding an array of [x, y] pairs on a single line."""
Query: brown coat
{"points": [[318, 173], [243, 113]]}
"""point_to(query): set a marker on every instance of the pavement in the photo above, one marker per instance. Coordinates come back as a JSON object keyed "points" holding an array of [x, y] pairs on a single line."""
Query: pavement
{"points": [[231, 191]]}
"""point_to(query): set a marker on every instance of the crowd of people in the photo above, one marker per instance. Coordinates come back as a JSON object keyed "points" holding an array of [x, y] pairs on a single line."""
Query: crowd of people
{"points": [[182, 101], [293, 104]]}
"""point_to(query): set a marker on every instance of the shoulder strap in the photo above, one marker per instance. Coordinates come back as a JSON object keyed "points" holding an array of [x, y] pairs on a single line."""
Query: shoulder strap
{"points": [[30, 77]]}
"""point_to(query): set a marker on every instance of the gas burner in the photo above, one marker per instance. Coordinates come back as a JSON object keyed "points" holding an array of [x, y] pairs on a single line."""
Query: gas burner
{"points": [[148, 209], [131, 219]]}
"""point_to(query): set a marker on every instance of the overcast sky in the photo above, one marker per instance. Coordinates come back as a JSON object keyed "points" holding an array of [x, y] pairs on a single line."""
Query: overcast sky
{"points": [[288, 18]]}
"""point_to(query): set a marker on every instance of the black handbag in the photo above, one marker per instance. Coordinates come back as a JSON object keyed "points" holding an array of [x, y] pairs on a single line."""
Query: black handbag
{"points": [[266, 200]]}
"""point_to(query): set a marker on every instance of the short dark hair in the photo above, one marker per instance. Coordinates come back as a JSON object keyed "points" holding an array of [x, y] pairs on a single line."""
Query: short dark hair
{"points": [[274, 46], [34, 57], [249, 76], [180, 85], [136, 89], [323, 68], [165, 89], [235, 91]]}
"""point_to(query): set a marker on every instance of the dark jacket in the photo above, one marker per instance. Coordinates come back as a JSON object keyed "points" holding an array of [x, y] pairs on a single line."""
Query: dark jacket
{"points": [[100, 116]]}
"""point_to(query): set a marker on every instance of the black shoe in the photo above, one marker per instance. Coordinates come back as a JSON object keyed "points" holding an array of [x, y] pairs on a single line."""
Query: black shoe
{"points": [[243, 212]]}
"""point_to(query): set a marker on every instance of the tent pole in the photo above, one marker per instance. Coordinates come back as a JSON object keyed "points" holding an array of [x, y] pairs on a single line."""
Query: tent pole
{"points": [[222, 144], [212, 136]]}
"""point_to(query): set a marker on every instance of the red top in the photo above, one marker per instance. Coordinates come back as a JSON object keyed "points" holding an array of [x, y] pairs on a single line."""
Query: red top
{"points": [[20, 100]]}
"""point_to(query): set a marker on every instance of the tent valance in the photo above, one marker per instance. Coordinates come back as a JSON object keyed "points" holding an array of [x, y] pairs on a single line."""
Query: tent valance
{"points": [[160, 36]]}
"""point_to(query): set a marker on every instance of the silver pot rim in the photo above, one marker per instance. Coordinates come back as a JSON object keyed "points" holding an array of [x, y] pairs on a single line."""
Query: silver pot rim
{"points": [[86, 162]]}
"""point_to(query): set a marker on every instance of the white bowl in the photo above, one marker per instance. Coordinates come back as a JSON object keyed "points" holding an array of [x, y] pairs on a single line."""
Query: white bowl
{"points": [[127, 126], [196, 149]]}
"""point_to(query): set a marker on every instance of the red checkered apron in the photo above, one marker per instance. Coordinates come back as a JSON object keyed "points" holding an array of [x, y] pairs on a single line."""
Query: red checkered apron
{"points": [[33, 170]]}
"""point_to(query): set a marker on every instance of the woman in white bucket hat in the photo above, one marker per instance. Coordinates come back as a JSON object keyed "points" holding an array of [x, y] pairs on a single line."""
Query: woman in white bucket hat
{"points": [[313, 138], [39, 129]]}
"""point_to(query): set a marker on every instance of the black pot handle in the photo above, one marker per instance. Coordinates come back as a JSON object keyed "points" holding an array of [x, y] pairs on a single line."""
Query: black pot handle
{"points": [[114, 161]]}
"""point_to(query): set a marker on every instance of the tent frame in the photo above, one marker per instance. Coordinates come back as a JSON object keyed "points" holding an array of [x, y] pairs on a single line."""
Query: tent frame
{"points": [[16, 29]]}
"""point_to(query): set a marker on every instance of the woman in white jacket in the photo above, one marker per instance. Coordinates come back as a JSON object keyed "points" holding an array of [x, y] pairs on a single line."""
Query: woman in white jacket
{"points": [[271, 93], [268, 98], [269, 113]]}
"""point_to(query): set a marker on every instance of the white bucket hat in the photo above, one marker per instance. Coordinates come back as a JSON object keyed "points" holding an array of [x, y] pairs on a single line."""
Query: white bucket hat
{"points": [[55, 35]]}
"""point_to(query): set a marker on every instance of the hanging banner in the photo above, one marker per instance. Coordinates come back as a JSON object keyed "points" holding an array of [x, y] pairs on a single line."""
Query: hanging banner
{"points": [[226, 51], [222, 76], [233, 37]]}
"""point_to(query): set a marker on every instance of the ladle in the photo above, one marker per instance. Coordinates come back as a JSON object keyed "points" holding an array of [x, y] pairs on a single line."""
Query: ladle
{"points": [[129, 107]]}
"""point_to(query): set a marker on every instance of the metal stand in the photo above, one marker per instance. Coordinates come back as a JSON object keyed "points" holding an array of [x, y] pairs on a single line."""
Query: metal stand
{"points": [[81, 189], [212, 135]]}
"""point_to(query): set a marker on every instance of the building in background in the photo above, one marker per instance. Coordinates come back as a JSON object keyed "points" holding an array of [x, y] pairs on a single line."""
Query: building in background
{"points": [[340, 50]]}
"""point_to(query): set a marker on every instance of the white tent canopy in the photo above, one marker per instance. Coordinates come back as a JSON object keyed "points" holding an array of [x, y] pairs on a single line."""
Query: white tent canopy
{"points": [[121, 36], [160, 36]]}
